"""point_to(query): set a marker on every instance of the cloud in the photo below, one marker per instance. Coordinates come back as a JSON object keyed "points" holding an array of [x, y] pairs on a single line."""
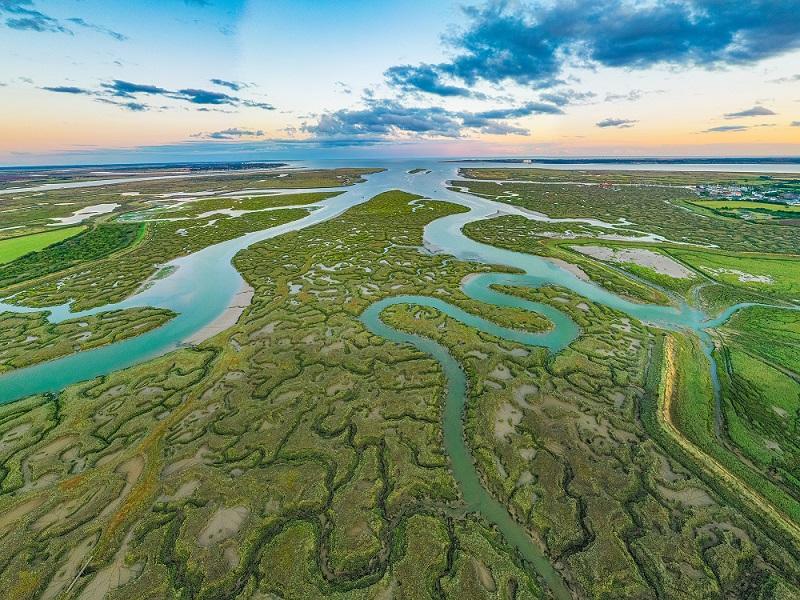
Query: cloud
{"points": [[619, 123], [726, 128], [232, 85], [389, 118], [795, 124], [790, 79], [564, 97], [126, 104], [341, 86], [490, 121], [631, 96], [110, 91], [385, 118], [24, 17], [196, 96], [230, 134], [756, 111], [126, 89], [68, 89], [99, 29], [530, 42], [423, 78]]}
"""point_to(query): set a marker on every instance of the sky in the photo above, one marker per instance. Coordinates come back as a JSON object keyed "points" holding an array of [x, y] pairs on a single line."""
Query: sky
{"points": [[99, 81]]}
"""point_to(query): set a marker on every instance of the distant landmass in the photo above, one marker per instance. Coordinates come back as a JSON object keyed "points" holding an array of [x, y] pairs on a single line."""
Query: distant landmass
{"points": [[642, 160]]}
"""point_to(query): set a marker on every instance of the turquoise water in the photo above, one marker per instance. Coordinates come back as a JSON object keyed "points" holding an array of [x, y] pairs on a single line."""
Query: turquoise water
{"points": [[203, 285], [474, 494]]}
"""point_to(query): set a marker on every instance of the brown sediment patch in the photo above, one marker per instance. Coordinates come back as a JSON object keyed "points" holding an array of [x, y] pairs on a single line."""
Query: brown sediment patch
{"points": [[525, 478], [231, 555], [724, 526], [109, 458], [484, 575], [668, 473], [185, 463], [46, 453], [522, 392], [623, 325], [332, 348], [115, 575], [71, 568], [688, 496], [655, 261], [13, 435], [593, 424], [335, 388], [618, 398], [228, 318], [183, 492], [11, 516], [506, 420], [517, 352], [59, 513], [54, 448], [224, 524], [131, 470], [500, 372]]}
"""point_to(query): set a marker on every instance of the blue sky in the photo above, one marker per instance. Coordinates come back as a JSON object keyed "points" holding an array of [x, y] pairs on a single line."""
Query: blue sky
{"points": [[91, 81]]}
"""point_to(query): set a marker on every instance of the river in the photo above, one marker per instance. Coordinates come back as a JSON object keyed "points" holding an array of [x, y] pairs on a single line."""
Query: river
{"points": [[202, 285]]}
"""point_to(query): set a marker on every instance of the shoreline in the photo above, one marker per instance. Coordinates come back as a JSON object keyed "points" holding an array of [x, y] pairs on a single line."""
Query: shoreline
{"points": [[229, 317]]}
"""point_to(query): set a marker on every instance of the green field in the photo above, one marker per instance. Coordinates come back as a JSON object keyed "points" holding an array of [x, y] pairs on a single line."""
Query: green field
{"points": [[746, 204], [771, 275], [13, 248]]}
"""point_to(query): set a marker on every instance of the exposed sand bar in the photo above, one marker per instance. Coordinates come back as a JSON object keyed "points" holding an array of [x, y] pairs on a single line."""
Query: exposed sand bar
{"points": [[664, 265], [228, 317]]}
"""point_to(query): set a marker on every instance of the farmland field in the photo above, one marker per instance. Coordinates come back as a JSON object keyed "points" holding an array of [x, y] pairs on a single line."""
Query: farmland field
{"points": [[13, 248]]}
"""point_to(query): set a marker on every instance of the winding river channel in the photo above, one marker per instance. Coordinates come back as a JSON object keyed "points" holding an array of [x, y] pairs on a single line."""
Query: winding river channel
{"points": [[202, 285]]}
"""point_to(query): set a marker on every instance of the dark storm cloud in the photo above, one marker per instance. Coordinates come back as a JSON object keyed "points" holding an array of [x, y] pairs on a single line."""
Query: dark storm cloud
{"points": [[619, 123], [530, 42]]}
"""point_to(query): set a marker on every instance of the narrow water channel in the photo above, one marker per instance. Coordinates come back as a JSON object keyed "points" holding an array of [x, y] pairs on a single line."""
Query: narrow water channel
{"points": [[203, 284]]}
